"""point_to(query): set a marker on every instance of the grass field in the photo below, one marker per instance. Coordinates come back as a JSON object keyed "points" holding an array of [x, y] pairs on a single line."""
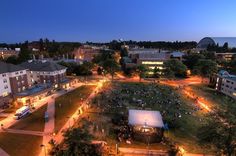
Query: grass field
{"points": [[33, 122], [122, 96], [20, 145], [67, 104], [219, 100]]}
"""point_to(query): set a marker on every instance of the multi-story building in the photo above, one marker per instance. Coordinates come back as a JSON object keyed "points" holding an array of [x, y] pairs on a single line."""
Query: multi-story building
{"points": [[42, 72], [227, 56], [13, 79], [152, 58], [87, 52], [226, 83], [5, 52]]}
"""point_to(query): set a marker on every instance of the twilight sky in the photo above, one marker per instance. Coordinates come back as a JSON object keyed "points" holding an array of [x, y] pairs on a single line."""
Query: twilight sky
{"points": [[105, 20]]}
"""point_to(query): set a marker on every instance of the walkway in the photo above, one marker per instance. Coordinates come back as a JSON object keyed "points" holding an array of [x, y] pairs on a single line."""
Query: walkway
{"points": [[18, 131], [3, 153], [50, 124], [142, 152]]}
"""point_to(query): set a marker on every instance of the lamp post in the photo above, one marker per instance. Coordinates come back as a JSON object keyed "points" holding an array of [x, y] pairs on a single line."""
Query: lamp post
{"points": [[44, 147]]}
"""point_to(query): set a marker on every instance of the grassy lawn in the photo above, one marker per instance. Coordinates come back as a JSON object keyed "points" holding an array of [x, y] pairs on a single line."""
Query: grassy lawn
{"points": [[177, 110], [67, 104], [219, 100], [33, 122], [20, 145]]}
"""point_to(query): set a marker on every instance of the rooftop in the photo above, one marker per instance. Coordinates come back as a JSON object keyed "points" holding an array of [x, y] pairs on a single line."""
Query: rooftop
{"points": [[226, 75], [42, 65], [7, 67], [34, 90]]}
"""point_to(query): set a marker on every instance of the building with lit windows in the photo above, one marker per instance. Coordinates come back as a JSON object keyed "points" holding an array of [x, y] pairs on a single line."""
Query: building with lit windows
{"points": [[226, 84], [227, 56], [6, 52], [44, 72], [152, 58], [87, 52], [13, 79]]}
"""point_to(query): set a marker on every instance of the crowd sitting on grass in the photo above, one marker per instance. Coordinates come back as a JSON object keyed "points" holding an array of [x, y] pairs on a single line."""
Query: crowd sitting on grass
{"points": [[144, 96]]}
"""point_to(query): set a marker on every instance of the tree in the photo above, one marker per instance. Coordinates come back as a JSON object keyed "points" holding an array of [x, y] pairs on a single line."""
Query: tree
{"points": [[99, 71], [24, 55], [205, 68], [142, 71], [191, 60], [85, 69], [225, 47], [77, 142], [156, 72], [221, 135], [123, 52], [174, 68], [111, 66], [12, 59]]}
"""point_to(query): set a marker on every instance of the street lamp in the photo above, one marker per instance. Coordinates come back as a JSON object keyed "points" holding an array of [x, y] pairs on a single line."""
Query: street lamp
{"points": [[44, 147]]}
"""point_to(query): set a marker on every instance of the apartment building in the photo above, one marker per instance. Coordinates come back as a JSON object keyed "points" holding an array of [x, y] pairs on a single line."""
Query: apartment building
{"points": [[226, 83], [13, 79], [42, 72]]}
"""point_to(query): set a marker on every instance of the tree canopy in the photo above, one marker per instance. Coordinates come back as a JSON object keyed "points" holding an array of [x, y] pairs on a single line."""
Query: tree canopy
{"points": [[205, 68], [174, 67]]}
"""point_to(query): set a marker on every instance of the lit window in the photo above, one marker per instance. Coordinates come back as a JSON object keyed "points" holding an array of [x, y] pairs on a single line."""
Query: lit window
{"points": [[153, 62], [4, 94]]}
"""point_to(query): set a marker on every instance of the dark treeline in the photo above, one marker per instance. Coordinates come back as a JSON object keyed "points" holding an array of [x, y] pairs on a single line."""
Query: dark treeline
{"points": [[165, 45], [220, 49], [177, 45], [62, 47], [45, 46]]}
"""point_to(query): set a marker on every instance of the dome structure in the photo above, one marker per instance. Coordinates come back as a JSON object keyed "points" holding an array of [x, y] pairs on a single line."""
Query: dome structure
{"points": [[203, 43]]}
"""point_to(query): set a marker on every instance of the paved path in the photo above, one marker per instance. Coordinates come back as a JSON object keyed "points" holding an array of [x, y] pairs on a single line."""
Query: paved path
{"points": [[3, 153], [50, 124], [18, 131], [142, 152]]}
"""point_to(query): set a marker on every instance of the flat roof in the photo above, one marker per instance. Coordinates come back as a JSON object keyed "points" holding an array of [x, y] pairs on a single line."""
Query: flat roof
{"points": [[145, 118], [34, 90]]}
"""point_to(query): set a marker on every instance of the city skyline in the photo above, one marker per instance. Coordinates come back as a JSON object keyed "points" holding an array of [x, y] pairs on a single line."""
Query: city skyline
{"points": [[104, 21]]}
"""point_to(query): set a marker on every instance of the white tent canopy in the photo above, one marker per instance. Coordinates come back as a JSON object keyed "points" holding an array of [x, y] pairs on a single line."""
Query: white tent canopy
{"points": [[145, 118]]}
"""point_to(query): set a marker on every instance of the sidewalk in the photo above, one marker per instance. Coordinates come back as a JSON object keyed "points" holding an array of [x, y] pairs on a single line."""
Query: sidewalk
{"points": [[3, 153], [17, 131], [50, 124]]}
